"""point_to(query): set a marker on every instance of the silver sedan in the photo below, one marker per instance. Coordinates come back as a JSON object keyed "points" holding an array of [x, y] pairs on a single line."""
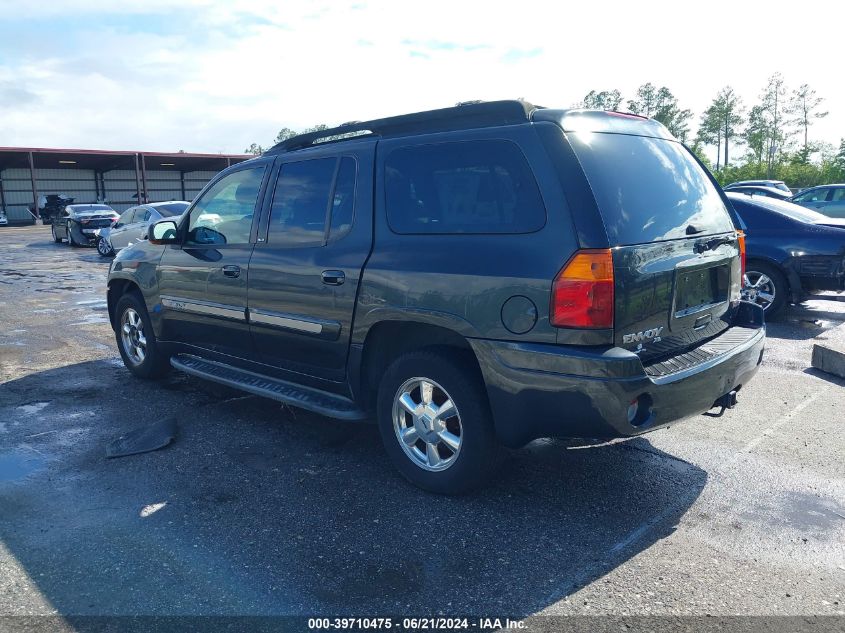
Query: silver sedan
{"points": [[132, 225]]}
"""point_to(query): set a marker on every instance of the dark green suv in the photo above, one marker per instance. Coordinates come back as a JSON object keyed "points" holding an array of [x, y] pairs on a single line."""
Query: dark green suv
{"points": [[471, 278]]}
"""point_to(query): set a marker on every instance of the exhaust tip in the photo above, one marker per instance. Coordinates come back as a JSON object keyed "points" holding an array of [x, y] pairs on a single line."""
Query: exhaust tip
{"points": [[639, 410]]}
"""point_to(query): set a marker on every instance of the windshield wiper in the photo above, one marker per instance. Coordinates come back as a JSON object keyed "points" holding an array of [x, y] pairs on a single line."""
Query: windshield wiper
{"points": [[716, 242]]}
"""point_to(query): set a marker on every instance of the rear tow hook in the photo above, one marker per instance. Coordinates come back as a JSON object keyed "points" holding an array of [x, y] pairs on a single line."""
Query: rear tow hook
{"points": [[727, 401]]}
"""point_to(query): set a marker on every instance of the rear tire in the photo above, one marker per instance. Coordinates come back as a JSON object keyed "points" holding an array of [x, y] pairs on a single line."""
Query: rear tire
{"points": [[70, 240], [766, 286], [447, 455], [103, 248], [136, 340]]}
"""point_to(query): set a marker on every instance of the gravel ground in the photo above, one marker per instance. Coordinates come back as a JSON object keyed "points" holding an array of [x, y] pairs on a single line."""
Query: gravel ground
{"points": [[261, 509]]}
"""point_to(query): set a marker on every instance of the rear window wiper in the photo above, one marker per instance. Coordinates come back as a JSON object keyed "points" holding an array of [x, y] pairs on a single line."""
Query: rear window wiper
{"points": [[716, 242]]}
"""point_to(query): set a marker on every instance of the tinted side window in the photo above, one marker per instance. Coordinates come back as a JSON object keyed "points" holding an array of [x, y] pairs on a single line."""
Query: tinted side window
{"points": [[343, 200], [126, 217], [301, 202], [838, 194], [463, 187], [223, 215], [816, 195], [142, 215]]}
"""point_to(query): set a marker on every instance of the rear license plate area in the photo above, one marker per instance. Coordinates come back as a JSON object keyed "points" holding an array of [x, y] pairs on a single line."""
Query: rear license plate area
{"points": [[697, 290]]}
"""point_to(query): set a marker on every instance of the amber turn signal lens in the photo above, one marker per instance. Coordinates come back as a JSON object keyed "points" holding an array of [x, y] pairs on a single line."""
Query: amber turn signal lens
{"points": [[582, 292]]}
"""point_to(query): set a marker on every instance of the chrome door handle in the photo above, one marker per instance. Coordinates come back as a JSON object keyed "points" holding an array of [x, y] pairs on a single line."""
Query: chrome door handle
{"points": [[333, 277], [232, 271]]}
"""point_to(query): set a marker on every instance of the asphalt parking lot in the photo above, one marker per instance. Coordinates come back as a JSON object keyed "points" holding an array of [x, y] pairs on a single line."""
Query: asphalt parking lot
{"points": [[260, 509]]}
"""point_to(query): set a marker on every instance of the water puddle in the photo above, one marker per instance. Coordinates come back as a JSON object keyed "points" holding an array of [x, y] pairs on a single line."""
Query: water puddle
{"points": [[92, 320], [17, 465], [32, 407]]}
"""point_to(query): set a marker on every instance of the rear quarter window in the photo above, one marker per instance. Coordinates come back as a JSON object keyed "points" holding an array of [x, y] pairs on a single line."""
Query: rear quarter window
{"points": [[648, 189], [463, 187]]}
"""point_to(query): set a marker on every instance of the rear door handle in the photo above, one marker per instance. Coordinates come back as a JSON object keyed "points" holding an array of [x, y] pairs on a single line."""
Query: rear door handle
{"points": [[232, 271], [333, 277]]}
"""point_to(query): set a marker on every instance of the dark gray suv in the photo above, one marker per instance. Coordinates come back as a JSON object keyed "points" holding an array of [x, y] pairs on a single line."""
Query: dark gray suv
{"points": [[471, 278]]}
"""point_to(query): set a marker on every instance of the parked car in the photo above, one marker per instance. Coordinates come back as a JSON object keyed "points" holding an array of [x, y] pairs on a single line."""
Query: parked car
{"points": [[131, 226], [791, 251], [775, 184], [79, 223], [3, 219], [826, 199], [471, 277], [51, 206], [759, 190]]}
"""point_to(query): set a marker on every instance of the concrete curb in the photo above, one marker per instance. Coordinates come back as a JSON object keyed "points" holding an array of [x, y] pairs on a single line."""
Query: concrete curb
{"points": [[829, 356]]}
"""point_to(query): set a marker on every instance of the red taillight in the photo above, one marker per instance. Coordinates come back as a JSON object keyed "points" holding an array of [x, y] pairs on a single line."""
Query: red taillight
{"points": [[582, 292], [740, 238]]}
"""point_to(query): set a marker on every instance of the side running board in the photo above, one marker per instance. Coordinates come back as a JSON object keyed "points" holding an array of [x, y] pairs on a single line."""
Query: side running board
{"points": [[321, 402]]}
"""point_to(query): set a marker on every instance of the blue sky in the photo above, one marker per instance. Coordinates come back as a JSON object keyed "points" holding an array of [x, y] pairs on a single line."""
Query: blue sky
{"points": [[203, 75]]}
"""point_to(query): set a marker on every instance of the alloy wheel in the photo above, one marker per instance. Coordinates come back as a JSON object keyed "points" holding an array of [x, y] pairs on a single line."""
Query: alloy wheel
{"points": [[759, 288], [427, 424], [132, 336]]}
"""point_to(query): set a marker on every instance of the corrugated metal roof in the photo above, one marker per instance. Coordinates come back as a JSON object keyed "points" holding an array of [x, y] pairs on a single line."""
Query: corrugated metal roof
{"points": [[106, 160]]}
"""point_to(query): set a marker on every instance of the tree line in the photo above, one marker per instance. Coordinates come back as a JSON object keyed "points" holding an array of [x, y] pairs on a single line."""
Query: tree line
{"points": [[771, 140]]}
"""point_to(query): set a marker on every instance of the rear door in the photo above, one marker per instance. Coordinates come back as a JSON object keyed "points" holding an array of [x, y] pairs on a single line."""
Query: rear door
{"points": [[138, 228], [675, 251], [305, 269], [118, 236]]}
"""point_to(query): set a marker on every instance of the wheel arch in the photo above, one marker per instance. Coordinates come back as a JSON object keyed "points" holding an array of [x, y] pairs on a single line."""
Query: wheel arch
{"points": [[116, 289], [783, 268], [388, 339]]}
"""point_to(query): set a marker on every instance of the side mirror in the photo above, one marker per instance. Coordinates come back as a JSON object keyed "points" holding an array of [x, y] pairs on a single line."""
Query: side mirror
{"points": [[163, 232]]}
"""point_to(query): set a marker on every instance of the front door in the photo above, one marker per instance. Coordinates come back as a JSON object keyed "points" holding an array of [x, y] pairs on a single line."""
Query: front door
{"points": [[203, 280], [835, 206], [304, 275]]}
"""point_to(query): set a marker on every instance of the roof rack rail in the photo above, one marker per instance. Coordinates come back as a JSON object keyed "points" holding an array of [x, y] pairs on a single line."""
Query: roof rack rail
{"points": [[468, 114]]}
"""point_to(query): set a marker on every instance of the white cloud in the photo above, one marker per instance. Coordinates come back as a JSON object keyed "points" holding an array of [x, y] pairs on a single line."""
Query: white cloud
{"points": [[210, 76]]}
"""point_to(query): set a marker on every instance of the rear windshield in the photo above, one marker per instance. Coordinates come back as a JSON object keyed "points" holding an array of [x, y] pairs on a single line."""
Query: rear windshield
{"points": [[649, 189], [171, 208], [88, 208]]}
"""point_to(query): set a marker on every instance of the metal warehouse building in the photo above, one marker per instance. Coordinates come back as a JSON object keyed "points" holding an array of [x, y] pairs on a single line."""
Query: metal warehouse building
{"points": [[118, 178]]}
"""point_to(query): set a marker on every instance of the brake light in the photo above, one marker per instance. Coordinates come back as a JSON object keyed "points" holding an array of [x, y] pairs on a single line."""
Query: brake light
{"points": [[740, 238], [582, 292]]}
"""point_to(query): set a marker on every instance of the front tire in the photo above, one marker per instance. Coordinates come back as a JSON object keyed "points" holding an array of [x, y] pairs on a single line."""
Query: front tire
{"points": [[766, 286], [435, 422], [136, 340]]}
